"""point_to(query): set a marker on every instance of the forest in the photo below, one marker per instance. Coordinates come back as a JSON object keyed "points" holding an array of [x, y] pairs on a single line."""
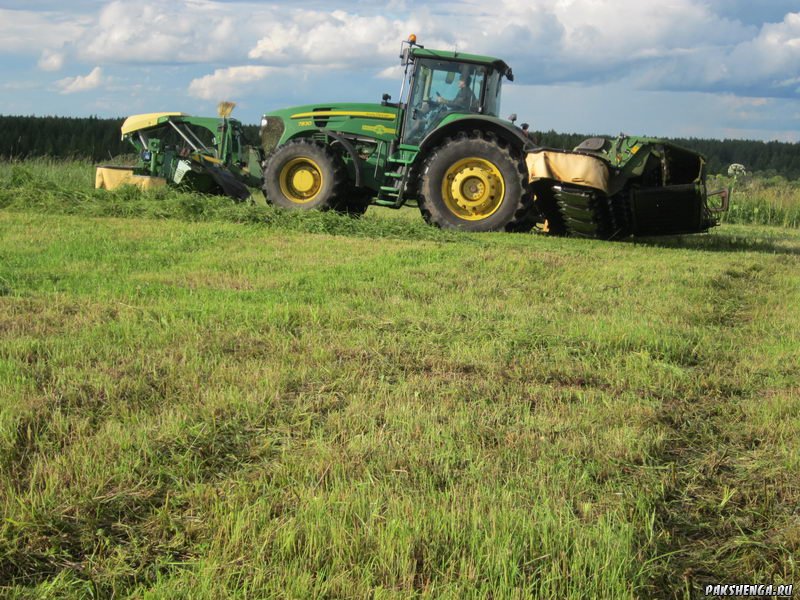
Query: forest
{"points": [[98, 139]]}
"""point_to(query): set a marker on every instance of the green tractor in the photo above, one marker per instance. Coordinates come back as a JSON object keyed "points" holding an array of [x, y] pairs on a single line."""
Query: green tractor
{"points": [[444, 147], [204, 154]]}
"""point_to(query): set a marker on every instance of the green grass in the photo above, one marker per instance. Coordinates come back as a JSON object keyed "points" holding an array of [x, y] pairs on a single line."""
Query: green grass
{"points": [[762, 201], [201, 400]]}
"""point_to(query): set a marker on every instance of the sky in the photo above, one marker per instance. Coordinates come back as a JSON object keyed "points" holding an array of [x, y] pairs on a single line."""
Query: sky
{"points": [[677, 68]]}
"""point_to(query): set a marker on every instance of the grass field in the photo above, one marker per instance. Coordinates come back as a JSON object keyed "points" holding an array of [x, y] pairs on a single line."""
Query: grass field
{"points": [[201, 400]]}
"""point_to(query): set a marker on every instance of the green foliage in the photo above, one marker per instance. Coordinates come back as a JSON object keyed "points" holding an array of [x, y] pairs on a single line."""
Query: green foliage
{"points": [[204, 400], [67, 188], [99, 140], [61, 137], [761, 201]]}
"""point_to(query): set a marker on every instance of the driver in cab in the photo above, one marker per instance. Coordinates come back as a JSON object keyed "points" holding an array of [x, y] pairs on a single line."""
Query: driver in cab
{"points": [[432, 109], [464, 99]]}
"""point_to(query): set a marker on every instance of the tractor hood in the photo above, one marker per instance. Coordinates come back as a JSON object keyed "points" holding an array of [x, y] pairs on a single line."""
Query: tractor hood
{"points": [[352, 119], [320, 115]]}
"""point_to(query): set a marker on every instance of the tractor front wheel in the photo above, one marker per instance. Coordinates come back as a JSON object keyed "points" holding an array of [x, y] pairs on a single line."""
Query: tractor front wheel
{"points": [[302, 175], [474, 183]]}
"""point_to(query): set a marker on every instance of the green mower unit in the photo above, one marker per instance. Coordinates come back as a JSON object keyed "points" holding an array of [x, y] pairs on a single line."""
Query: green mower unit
{"points": [[444, 147], [204, 154], [613, 188]]}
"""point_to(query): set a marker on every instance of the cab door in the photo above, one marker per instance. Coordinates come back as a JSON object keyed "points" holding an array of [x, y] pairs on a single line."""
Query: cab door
{"points": [[435, 92]]}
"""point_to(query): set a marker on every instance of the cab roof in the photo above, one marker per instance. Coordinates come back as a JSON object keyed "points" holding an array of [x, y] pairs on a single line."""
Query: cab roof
{"points": [[497, 63]]}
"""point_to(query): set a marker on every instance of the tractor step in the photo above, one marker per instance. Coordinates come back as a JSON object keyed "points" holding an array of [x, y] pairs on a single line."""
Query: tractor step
{"points": [[387, 203]]}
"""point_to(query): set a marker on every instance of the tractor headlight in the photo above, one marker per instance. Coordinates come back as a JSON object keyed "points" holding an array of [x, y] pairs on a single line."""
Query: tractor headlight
{"points": [[264, 121]]}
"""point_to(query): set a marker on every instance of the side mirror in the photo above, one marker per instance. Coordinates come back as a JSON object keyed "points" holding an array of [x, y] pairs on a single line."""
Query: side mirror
{"points": [[385, 99], [512, 117]]}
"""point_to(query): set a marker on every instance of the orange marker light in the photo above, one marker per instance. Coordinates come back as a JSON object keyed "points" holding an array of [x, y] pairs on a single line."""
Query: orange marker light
{"points": [[412, 38]]}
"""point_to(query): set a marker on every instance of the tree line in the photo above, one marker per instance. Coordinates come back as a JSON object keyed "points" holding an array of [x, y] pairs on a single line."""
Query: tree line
{"points": [[98, 139], [61, 137]]}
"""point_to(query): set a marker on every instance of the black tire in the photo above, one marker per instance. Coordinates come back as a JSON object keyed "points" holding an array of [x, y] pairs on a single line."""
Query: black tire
{"points": [[355, 201], [303, 175], [471, 205]]}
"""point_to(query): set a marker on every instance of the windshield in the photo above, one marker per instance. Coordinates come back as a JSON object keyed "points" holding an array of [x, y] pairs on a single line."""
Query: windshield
{"points": [[441, 87]]}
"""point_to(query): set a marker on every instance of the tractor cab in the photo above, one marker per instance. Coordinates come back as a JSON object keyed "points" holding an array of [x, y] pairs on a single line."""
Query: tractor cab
{"points": [[448, 83]]}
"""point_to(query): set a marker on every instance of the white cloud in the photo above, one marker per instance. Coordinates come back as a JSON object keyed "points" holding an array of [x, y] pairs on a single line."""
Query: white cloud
{"points": [[763, 65], [224, 84], [394, 73], [30, 31], [672, 44], [51, 60], [337, 38], [774, 53], [185, 31], [81, 83]]}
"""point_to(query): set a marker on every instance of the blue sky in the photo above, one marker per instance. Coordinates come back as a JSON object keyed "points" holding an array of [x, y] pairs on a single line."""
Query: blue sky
{"points": [[705, 68]]}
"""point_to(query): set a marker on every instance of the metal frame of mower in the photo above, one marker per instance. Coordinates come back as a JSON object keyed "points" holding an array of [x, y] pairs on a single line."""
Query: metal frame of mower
{"points": [[204, 154]]}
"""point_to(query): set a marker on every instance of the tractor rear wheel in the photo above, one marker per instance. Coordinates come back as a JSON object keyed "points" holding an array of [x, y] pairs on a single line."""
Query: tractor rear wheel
{"points": [[474, 183], [302, 175]]}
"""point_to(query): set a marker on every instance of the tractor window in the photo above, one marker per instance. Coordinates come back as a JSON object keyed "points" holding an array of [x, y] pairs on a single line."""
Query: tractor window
{"points": [[441, 87], [491, 101]]}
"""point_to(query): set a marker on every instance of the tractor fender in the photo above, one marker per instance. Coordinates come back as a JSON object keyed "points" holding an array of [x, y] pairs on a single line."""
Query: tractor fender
{"points": [[350, 150], [453, 124]]}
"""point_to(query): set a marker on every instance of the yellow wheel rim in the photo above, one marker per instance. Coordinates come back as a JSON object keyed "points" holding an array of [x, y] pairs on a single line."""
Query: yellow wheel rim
{"points": [[301, 180], [473, 189]]}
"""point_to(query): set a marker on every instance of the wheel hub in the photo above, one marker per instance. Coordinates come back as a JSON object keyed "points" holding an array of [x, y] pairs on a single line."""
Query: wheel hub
{"points": [[473, 188], [301, 180]]}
